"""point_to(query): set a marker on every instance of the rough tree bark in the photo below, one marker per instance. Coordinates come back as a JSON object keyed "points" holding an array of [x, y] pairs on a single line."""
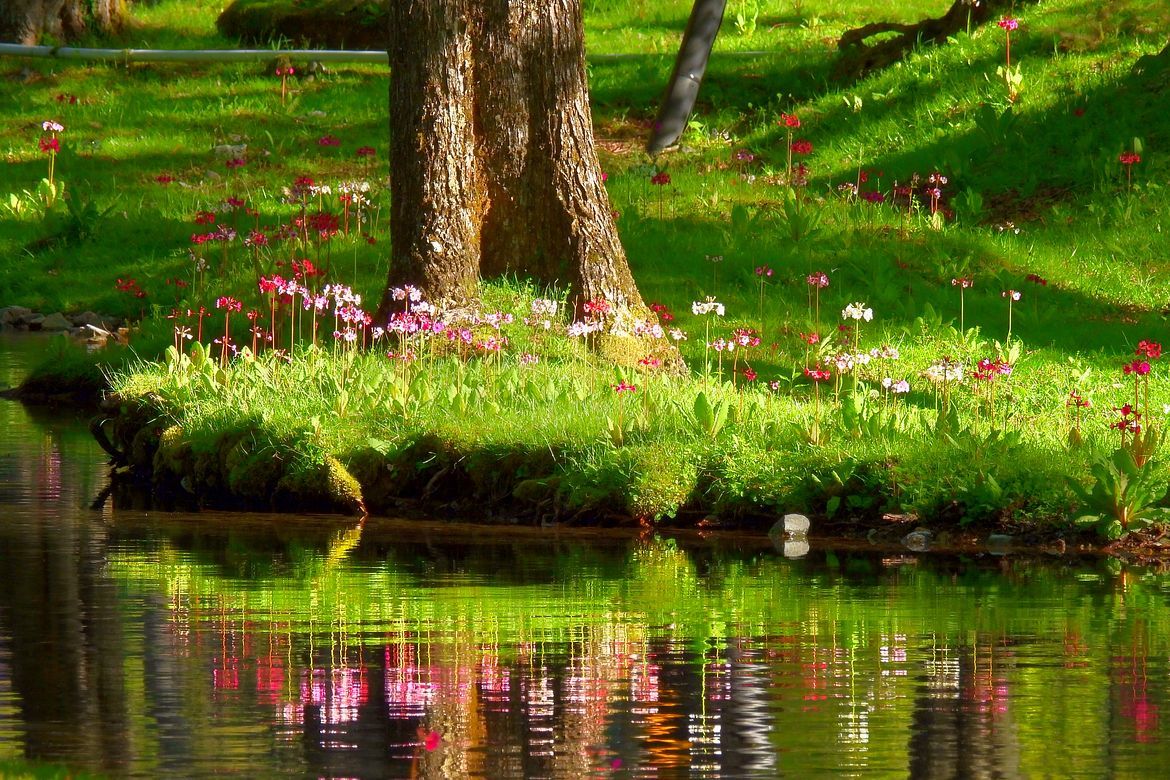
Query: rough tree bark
{"points": [[494, 167], [859, 59], [29, 22]]}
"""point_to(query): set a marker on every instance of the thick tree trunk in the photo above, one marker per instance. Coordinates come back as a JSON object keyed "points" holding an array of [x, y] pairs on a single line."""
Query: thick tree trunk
{"points": [[31, 21], [494, 168]]}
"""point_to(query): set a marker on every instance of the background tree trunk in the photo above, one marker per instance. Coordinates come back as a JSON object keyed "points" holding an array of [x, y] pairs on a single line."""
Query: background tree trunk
{"points": [[31, 21], [494, 167]]}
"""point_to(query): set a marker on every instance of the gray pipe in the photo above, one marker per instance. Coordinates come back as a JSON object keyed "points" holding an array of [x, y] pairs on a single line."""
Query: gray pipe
{"points": [[706, 16]]}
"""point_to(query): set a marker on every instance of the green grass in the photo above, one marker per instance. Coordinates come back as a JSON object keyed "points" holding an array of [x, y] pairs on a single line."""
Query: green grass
{"points": [[1034, 189]]}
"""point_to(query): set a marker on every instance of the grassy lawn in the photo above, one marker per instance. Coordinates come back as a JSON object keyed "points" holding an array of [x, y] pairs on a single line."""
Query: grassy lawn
{"points": [[1041, 254]]}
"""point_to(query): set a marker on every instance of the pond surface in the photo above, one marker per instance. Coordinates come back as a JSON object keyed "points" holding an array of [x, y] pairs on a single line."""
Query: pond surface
{"points": [[140, 644]]}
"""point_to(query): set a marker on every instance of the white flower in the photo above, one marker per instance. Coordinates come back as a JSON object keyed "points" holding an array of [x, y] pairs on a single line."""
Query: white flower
{"points": [[901, 387], [710, 306], [857, 311], [544, 307], [885, 352], [581, 328], [677, 334]]}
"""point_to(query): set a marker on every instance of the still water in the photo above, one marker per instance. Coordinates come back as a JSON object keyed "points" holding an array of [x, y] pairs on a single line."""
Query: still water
{"points": [[139, 644]]}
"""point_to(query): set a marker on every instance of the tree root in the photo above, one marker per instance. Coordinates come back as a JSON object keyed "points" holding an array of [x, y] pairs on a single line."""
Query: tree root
{"points": [[859, 59]]}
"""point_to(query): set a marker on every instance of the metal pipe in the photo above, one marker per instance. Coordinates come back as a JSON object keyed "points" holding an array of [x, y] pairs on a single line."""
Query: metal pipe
{"points": [[190, 55], [258, 55]]}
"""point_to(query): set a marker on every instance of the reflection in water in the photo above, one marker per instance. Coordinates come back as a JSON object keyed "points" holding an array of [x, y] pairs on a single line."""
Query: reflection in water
{"points": [[149, 645]]}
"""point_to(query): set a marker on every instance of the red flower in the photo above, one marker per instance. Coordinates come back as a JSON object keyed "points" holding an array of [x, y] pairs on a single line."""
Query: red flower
{"points": [[818, 374], [1130, 158], [164, 178], [802, 147], [1138, 367], [329, 140], [365, 151], [789, 120], [432, 741], [1150, 349], [661, 178], [50, 145], [236, 162]]}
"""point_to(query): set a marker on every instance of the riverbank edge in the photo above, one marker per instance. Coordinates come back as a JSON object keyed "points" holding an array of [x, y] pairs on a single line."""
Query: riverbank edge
{"points": [[154, 466]]}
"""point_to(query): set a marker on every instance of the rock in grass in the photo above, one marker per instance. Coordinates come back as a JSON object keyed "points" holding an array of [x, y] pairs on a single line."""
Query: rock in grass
{"points": [[791, 525], [56, 322], [13, 316]]}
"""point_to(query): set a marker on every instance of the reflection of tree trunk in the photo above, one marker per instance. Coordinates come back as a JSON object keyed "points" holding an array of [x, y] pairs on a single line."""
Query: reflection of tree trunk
{"points": [[859, 59], [492, 152], [66, 642], [956, 731], [30, 21]]}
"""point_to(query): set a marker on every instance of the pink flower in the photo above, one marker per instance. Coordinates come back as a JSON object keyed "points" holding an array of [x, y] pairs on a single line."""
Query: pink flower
{"points": [[624, 387], [229, 303], [1138, 367], [818, 279], [763, 270], [1008, 23]]}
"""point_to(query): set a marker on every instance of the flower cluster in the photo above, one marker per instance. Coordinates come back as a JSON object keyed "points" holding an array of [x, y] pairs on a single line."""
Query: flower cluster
{"points": [[710, 306], [818, 279]]}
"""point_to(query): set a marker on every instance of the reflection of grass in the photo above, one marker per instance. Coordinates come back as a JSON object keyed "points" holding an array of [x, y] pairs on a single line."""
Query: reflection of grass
{"points": [[659, 595], [38, 770]]}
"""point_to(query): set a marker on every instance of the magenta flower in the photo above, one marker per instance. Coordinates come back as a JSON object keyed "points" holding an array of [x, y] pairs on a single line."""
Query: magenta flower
{"points": [[624, 387], [329, 140], [1008, 23]]}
